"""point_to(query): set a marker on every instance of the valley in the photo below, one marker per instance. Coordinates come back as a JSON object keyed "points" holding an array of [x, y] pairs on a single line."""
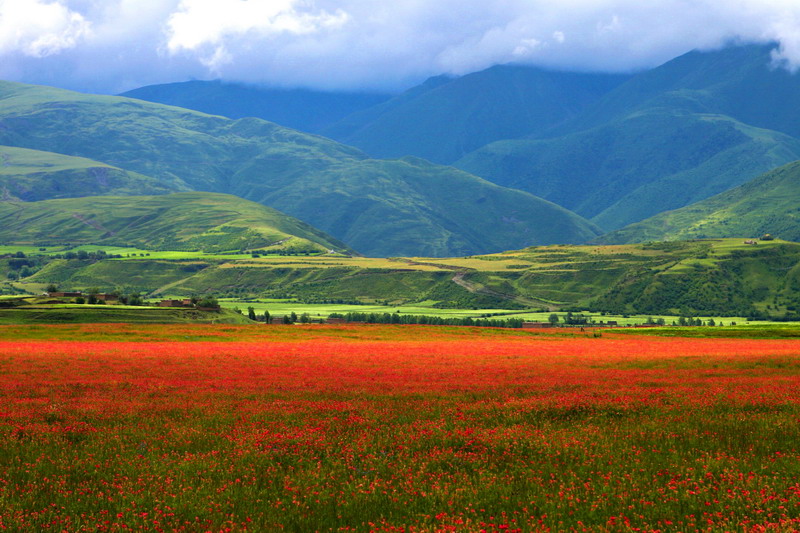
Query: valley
{"points": [[400, 266]]}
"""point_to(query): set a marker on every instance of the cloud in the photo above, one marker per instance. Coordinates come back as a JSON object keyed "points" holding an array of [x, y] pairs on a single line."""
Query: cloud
{"points": [[39, 28], [112, 45], [214, 25]]}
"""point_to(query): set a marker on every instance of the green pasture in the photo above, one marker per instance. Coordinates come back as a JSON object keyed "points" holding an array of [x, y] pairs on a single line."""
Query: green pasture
{"points": [[75, 314], [280, 307]]}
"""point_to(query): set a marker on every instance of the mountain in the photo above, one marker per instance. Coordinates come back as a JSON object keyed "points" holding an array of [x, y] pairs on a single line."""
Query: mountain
{"points": [[742, 82], [631, 169], [377, 207], [446, 118], [34, 175], [301, 109], [694, 127], [191, 221], [767, 204]]}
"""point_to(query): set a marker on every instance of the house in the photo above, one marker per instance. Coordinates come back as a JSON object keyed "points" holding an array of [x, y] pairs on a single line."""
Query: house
{"points": [[174, 303], [330, 320], [537, 325], [107, 297], [751, 242], [64, 294]]}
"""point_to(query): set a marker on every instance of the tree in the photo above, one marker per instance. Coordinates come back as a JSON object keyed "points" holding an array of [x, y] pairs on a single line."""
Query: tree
{"points": [[251, 313], [93, 292], [553, 318], [267, 317], [208, 301], [52, 288]]}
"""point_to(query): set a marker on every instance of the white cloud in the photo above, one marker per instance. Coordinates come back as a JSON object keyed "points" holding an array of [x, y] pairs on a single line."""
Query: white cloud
{"points": [[109, 45], [39, 28], [218, 24]]}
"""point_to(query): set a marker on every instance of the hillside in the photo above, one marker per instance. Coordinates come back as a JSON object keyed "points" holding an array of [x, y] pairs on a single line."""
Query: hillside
{"points": [[421, 209], [32, 175], [736, 81], [767, 204], [631, 169], [444, 119], [694, 127], [714, 277], [191, 221], [301, 109]]}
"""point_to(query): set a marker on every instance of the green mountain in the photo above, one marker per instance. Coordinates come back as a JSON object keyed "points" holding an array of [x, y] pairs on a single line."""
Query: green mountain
{"points": [[634, 168], [445, 118], [34, 175], [767, 204], [377, 207], [190, 221], [694, 127], [738, 81], [301, 109]]}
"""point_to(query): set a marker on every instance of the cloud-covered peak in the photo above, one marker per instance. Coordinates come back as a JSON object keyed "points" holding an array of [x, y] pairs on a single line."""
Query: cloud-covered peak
{"points": [[113, 45]]}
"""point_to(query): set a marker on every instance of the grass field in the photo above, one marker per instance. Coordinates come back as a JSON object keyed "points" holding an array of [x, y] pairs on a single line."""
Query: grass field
{"points": [[388, 428], [280, 307], [86, 314]]}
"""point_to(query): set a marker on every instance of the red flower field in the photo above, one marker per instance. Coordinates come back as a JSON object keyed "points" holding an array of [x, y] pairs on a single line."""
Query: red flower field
{"points": [[394, 428]]}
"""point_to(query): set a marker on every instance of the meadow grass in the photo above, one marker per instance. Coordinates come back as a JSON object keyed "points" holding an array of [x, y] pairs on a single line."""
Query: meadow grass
{"points": [[388, 428]]}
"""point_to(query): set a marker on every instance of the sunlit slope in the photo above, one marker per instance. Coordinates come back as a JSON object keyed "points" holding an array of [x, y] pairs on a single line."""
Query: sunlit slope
{"points": [[35, 175], [767, 204], [377, 207], [192, 221], [711, 278]]}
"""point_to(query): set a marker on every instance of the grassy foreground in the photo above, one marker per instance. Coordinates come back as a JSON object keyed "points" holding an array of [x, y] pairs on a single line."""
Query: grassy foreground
{"points": [[83, 314], [386, 428]]}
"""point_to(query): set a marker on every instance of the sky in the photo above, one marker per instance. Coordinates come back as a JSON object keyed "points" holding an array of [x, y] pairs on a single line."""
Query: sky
{"points": [[109, 46]]}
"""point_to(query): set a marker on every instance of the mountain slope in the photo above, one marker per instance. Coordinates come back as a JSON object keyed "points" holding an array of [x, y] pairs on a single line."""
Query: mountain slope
{"points": [[767, 204], [632, 169], [446, 118], [303, 175], [191, 221], [405, 199], [689, 129], [738, 81], [301, 109], [34, 175]]}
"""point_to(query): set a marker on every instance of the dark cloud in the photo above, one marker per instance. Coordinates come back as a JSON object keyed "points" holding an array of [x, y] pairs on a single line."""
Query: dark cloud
{"points": [[113, 45]]}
